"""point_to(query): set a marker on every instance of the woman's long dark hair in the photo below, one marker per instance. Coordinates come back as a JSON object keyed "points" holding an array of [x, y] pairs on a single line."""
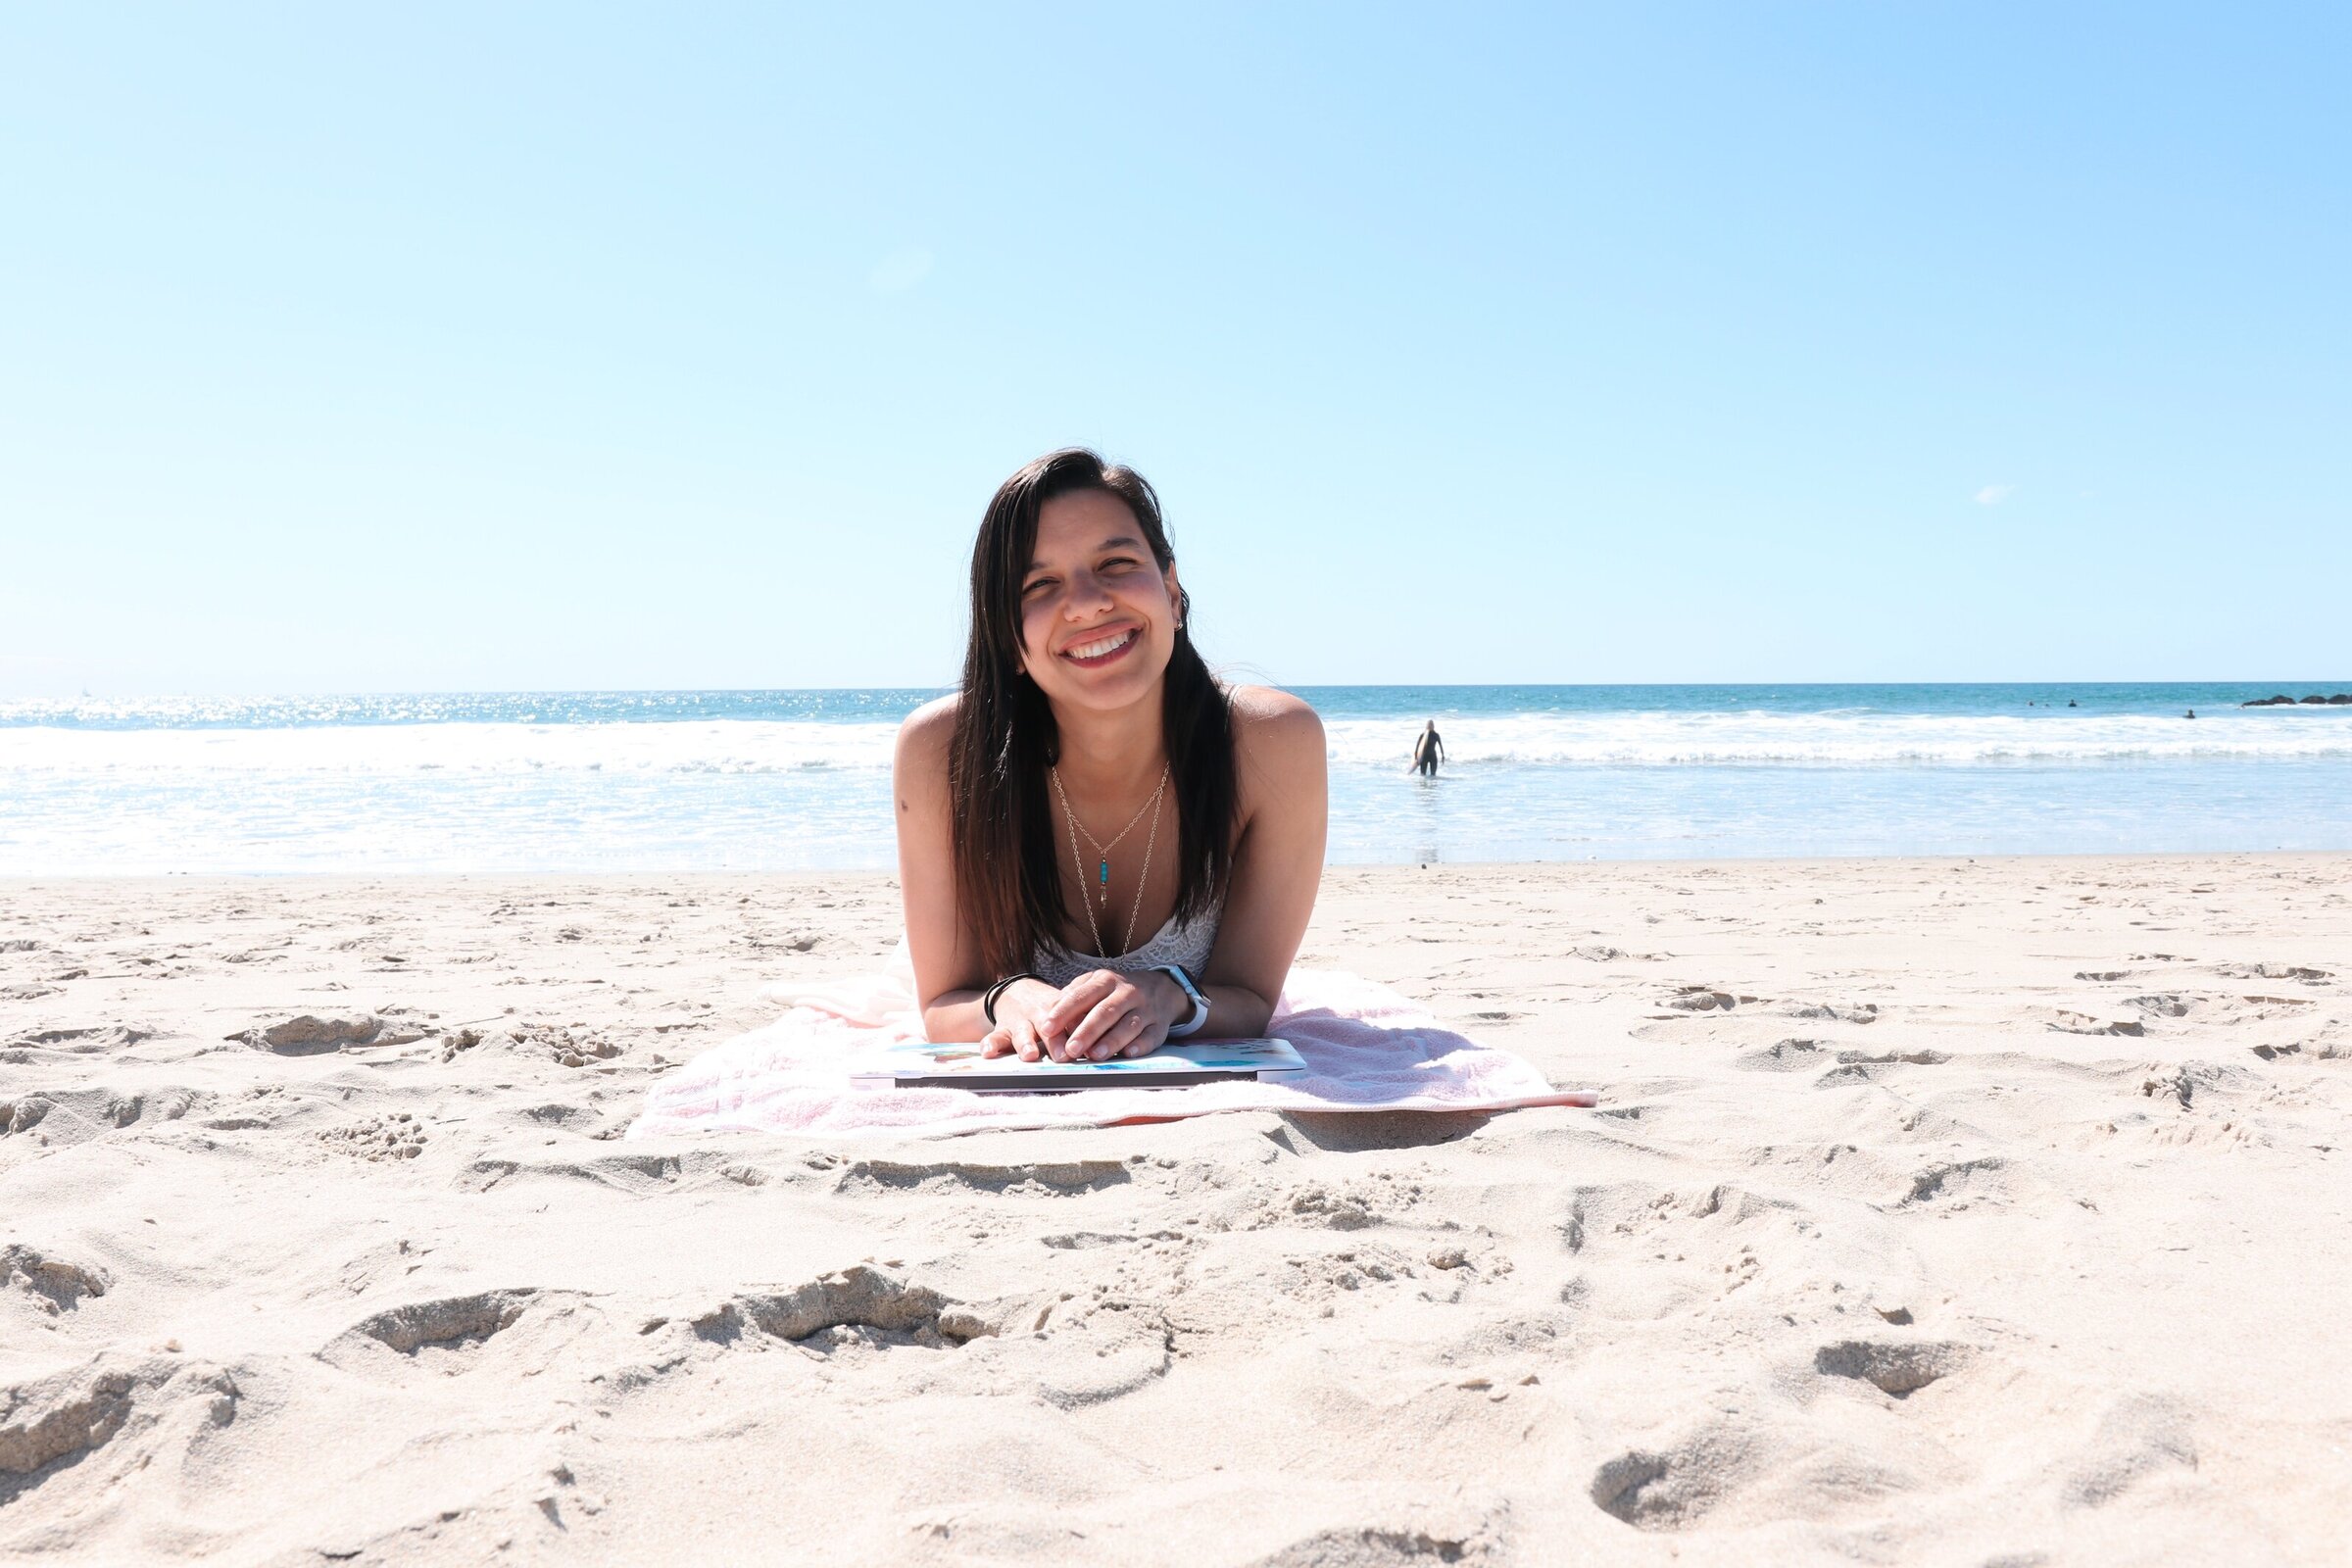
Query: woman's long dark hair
{"points": [[1008, 878]]}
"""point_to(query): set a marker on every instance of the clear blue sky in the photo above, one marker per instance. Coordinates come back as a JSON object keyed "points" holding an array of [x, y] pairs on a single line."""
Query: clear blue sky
{"points": [[498, 347]]}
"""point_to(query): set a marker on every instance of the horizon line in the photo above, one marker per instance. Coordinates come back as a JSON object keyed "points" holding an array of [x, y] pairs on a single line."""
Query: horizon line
{"points": [[2270, 685]]}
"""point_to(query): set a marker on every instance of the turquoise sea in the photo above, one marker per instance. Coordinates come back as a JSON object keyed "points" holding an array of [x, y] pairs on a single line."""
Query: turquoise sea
{"points": [[585, 781]]}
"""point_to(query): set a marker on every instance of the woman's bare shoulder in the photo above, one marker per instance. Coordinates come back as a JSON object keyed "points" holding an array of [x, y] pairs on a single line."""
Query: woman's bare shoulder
{"points": [[1268, 722], [924, 734]]}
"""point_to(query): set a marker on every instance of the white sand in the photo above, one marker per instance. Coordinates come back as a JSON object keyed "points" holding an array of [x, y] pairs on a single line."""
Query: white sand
{"points": [[1897, 1254]]}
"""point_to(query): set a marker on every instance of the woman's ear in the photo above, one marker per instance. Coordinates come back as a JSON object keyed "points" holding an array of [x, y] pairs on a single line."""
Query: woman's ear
{"points": [[1175, 589]]}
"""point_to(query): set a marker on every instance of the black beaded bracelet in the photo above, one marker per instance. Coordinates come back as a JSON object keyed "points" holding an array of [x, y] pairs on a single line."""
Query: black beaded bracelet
{"points": [[988, 998]]}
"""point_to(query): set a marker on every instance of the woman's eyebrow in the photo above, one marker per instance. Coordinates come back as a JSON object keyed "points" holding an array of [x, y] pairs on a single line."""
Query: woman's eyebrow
{"points": [[1119, 541]]}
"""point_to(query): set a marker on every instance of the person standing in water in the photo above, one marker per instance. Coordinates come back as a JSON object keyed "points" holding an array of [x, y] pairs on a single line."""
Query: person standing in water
{"points": [[1428, 750]]}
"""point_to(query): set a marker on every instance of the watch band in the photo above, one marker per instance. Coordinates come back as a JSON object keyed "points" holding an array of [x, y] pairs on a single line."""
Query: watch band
{"points": [[1183, 983]]}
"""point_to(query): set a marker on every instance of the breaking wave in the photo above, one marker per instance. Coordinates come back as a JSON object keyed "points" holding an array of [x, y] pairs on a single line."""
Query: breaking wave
{"points": [[1523, 741]]}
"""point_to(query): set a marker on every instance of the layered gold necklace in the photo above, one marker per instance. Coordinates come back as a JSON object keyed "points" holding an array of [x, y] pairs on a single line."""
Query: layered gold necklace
{"points": [[1103, 860]]}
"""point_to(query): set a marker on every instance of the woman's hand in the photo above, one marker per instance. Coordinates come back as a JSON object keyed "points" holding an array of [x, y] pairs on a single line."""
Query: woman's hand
{"points": [[1099, 1015], [1019, 1006], [1105, 1014]]}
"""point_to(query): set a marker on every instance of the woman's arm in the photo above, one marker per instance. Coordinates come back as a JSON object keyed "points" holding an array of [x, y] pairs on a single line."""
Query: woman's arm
{"points": [[1278, 865], [947, 982]]}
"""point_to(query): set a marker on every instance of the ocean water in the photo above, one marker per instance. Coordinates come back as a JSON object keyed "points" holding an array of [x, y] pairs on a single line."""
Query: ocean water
{"points": [[587, 781]]}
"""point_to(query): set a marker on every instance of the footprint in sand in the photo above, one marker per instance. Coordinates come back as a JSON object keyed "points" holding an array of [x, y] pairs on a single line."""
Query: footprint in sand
{"points": [[393, 1135], [1786, 1055], [2275, 971], [96, 1039], [60, 1416], [61, 1116], [1386, 1547], [575, 1046], [1100, 1359], [456, 1320], [1843, 1012], [63, 1421], [1017, 1178], [2139, 1436], [876, 1306], [312, 1034], [57, 1285], [1965, 1180], [2082, 1023], [1898, 1368], [504, 1333], [1676, 1486], [1703, 998]]}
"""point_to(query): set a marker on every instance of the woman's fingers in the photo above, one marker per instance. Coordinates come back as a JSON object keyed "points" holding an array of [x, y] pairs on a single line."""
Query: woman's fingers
{"points": [[1120, 1038], [1064, 1046], [1076, 998], [1030, 1004], [1014, 1037], [1127, 1032], [1101, 1014], [1134, 1034], [1148, 1037], [1104, 1017]]}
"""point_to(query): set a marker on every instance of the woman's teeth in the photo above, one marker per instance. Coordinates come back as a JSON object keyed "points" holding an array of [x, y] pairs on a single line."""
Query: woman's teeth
{"points": [[1108, 645]]}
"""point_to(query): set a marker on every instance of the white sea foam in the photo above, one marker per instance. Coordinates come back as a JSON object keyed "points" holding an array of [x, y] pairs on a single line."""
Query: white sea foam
{"points": [[1523, 740], [1843, 739], [719, 746]]}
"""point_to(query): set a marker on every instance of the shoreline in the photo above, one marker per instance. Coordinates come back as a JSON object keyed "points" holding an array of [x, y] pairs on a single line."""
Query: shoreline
{"points": [[1792, 862], [1912, 1181]]}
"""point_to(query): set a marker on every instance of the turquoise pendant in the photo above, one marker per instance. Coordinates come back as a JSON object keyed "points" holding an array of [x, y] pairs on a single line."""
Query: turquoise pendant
{"points": [[1106, 874]]}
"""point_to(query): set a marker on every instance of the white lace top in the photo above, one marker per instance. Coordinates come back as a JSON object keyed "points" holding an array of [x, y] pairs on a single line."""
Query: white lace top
{"points": [[1187, 945]]}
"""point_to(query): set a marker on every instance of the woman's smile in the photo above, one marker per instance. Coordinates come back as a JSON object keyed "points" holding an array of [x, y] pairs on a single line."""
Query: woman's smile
{"points": [[1108, 648]]}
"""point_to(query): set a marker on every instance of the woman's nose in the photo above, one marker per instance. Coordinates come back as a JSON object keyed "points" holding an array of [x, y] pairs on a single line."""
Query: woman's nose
{"points": [[1088, 596]]}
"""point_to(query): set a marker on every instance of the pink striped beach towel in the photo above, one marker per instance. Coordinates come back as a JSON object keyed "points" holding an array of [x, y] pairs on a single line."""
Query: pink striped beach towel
{"points": [[1366, 1048]]}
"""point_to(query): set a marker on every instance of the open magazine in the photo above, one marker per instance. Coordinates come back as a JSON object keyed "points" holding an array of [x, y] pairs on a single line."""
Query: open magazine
{"points": [[920, 1064]]}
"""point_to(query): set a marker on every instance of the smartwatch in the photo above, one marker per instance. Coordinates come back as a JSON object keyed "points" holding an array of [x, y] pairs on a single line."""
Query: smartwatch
{"points": [[1183, 983]]}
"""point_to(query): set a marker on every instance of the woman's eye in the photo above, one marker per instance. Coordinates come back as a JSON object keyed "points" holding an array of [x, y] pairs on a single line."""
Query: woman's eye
{"points": [[1029, 591], [1119, 563]]}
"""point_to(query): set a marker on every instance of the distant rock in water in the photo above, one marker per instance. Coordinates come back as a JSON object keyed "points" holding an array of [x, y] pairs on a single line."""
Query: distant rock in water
{"points": [[2339, 700]]}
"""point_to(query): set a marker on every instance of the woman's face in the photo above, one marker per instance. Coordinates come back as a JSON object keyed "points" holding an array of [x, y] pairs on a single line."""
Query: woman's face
{"points": [[1097, 614]]}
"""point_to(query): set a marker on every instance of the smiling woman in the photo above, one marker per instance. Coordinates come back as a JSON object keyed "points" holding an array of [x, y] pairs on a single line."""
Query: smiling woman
{"points": [[1091, 779]]}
